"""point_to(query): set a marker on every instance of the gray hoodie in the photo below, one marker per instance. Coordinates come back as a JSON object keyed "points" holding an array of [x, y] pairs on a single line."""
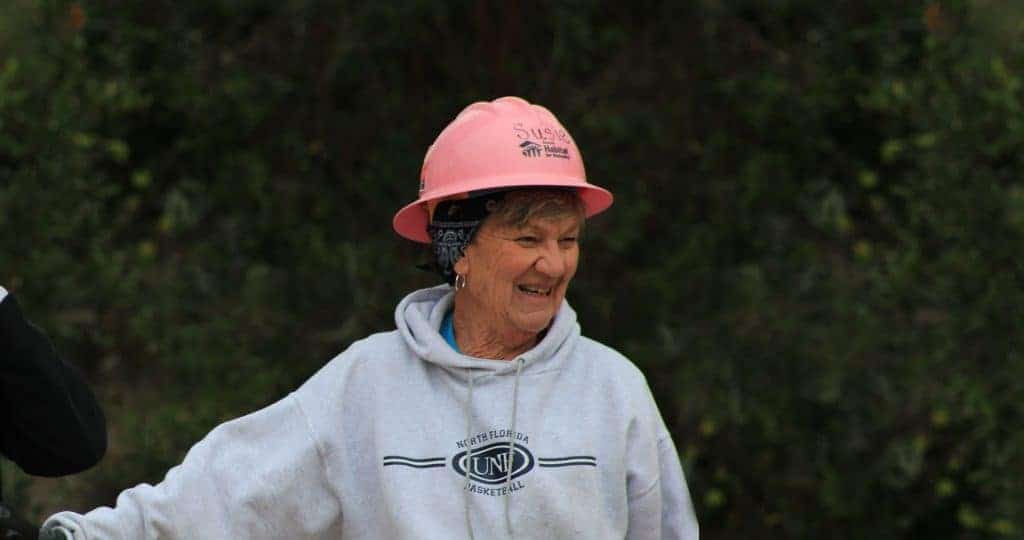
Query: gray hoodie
{"points": [[402, 437]]}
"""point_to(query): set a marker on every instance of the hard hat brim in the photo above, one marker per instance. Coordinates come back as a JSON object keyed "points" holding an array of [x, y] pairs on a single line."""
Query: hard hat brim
{"points": [[411, 221]]}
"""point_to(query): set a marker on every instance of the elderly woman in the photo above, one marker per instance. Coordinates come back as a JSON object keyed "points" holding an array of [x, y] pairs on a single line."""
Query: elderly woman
{"points": [[485, 414]]}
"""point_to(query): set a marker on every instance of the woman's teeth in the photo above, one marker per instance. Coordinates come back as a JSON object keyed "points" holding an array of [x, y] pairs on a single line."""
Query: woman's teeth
{"points": [[529, 290]]}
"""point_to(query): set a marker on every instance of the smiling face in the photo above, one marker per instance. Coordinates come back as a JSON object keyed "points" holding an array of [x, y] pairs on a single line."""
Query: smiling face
{"points": [[516, 276]]}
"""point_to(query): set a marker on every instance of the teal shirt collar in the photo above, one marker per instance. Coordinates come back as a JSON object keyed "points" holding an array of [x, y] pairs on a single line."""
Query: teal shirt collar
{"points": [[448, 331]]}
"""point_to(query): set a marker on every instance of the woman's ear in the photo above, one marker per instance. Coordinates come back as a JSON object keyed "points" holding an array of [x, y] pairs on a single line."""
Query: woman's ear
{"points": [[462, 265]]}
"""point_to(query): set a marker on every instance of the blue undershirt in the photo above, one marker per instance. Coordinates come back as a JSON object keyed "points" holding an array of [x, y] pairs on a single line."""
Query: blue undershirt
{"points": [[448, 331]]}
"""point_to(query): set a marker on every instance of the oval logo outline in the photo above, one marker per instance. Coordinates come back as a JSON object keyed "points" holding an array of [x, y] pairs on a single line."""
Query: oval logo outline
{"points": [[490, 463]]}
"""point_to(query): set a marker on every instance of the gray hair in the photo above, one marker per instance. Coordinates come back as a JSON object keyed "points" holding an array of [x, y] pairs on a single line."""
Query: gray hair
{"points": [[520, 206]]}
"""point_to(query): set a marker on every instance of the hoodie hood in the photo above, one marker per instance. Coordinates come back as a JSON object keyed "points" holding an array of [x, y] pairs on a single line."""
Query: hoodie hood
{"points": [[419, 316]]}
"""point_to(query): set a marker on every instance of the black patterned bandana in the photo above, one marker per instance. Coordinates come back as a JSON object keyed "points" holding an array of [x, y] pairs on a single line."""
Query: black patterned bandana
{"points": [[452, 228]]}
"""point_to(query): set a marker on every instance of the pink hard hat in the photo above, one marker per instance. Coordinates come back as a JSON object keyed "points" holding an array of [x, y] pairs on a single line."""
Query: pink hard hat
{"points": [[492, 145]]}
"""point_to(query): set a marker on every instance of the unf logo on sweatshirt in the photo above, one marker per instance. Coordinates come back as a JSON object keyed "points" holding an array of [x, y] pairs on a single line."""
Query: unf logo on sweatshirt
{"points": [[492, 464]]}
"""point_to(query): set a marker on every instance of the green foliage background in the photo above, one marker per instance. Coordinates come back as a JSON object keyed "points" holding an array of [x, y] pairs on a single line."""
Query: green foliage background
{"points": [[813, 254]]}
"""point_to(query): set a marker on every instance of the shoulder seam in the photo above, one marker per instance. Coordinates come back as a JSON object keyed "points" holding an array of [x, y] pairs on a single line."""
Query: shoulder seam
{"points": [[320, 453], [648, 489], [657, 478]]}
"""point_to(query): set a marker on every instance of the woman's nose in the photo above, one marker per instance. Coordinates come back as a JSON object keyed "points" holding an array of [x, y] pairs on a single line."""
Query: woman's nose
{"points": [[551, 262]]}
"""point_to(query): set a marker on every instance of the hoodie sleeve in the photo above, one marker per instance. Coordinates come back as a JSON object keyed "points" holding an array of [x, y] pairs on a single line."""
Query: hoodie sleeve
{"points": [[661, 509], [258, 477], [53, 424], [677, 516]]}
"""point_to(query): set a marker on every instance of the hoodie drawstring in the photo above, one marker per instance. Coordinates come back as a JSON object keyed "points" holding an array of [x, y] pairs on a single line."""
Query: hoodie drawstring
{"points": [[469, 454], [511, 449]]}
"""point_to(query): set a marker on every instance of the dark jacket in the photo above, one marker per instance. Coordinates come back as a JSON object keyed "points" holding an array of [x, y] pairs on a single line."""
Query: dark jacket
{"points": [[50, 422]]}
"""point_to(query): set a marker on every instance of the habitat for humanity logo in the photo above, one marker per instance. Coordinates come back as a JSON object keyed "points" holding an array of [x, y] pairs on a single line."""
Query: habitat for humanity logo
{"points": [[542, 141], [530, 148], [487, 459]]}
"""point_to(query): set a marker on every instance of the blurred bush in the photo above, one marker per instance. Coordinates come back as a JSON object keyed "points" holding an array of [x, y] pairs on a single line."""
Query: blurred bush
{"points": [[814, 251]]}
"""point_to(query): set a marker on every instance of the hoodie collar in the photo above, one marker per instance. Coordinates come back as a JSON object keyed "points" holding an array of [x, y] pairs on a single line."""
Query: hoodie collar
{"points": [[419, 316]]}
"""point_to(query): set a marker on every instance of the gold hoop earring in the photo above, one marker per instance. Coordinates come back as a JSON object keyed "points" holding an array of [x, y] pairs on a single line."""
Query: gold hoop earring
{"points": [[460, 281]]}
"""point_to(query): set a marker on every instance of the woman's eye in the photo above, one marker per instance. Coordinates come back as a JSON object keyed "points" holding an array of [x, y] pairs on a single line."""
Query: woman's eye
{"points": [[527, 239]]}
